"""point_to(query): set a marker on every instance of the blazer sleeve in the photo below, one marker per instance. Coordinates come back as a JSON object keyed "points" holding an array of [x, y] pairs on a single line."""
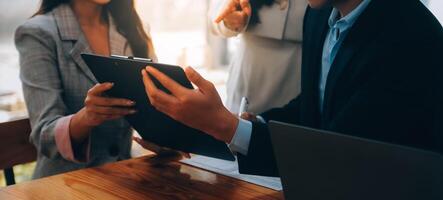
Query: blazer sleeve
{"points": [[42, 86], [260, 159], [288, 114]]}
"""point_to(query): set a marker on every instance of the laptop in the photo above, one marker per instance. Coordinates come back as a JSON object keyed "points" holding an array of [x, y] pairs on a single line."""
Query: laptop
{"points": [[315, 164], [151, 124]]}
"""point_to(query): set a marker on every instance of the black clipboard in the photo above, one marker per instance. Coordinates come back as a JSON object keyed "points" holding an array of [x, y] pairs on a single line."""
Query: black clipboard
{"points": [[151, 124]]}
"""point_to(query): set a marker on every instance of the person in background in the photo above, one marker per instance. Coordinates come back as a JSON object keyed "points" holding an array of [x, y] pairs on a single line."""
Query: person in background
{"points": [[371, 69], [73, 124], [268, 59]]}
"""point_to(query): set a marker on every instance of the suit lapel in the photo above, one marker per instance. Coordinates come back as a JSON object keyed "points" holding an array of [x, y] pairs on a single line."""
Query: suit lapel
{"points": [[70, 31], [81, 46], [316, 28], [362, 33], [319, 36], [118, 43]]}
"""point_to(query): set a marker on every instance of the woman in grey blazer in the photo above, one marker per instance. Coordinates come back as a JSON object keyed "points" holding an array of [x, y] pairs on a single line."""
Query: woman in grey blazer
{"points": [[267, 62], [73, 125]]}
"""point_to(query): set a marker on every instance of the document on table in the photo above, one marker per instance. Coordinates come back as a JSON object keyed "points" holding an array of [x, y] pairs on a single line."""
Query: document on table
{"points": [[230, 168]]}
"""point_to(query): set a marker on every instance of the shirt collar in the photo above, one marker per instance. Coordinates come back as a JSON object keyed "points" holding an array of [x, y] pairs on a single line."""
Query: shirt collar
{"points": [[346, 22]]}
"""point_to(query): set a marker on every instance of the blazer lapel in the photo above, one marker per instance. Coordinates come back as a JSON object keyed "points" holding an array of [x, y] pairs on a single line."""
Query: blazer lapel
{"points": [[70, 30], [118, 43], [81, 46], [363, 32], [319, 37], [316, 28]]}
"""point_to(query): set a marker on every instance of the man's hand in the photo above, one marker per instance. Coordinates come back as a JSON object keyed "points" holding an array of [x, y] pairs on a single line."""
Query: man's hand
{"points": [[235, 15], [200, 108], [249, 116]]}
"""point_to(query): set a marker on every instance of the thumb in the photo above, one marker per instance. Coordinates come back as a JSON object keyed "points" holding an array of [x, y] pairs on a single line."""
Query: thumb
{"points": [[246, 7], [226, 11], [197, 79]]}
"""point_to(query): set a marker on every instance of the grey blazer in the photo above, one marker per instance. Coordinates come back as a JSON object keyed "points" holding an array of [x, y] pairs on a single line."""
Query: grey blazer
{"points": [[55, 82]]}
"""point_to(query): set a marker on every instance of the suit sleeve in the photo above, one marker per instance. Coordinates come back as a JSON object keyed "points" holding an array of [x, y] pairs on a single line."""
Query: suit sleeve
{"points": [[260, 159], [42, 88], [288, 114]]}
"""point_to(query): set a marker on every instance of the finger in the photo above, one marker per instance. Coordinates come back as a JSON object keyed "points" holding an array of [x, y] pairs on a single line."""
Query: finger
{"points": [[186, 155], [244, 16], [144, 144], [236, 21], [139, 141], [147, 145], [197, 79], [105, 101], [156, 96], [167, 152], [99, 88], [248, 116], [169, 110], [149, 84], [246, 7], [245, 115], [181, 154], [103, 110], [113, 117], [231, 7], [164, 108], [160, 151], [175, 88], [223, 15], [102, 118]]}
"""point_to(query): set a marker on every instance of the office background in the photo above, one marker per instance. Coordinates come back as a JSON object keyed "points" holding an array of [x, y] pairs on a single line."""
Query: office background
{"points": [[179, 32]]}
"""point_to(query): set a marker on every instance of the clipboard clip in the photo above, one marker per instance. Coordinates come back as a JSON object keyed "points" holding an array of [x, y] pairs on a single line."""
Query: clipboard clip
{"points": [[132, 58]]}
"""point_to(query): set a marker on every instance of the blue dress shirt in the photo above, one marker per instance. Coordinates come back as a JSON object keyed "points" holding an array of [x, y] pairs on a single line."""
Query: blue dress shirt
{"points": [[338, 29]]}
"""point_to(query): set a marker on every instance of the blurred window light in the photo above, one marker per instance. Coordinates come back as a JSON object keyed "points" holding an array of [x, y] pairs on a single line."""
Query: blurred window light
{"points": [[178, 29]]}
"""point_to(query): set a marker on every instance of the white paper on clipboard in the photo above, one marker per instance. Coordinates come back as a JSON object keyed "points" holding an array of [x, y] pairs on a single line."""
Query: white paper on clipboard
{"points": [[230, 168]]}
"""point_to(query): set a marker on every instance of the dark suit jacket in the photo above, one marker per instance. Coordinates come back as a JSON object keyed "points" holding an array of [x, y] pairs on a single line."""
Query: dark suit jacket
{"points": [[385, 83]]}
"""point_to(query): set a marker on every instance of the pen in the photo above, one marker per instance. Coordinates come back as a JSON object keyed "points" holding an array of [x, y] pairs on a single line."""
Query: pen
{"points": [[243, 106]]}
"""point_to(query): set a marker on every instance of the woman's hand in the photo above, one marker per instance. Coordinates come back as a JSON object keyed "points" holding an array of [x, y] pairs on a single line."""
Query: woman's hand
{"points": [[235, 15], [97, 110]]}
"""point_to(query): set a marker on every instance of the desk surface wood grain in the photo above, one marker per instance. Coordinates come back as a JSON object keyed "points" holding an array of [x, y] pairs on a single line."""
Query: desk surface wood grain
{"points": [[140, 178]]}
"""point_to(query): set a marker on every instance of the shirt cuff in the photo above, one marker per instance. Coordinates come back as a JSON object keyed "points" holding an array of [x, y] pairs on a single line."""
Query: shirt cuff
{"points": [[242, 137], [261, 119], [63, 141]]}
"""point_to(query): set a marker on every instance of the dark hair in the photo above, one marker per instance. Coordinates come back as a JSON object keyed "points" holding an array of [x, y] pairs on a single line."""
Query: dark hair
{"points": [[256, 5], [126, 19]]}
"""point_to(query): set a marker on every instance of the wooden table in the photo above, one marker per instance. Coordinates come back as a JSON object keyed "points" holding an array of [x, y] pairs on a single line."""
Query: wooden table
{"points": [[140, 178]]}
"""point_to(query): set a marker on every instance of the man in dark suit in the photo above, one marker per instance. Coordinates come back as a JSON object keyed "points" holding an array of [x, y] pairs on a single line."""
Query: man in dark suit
{"points": [[371, 68]]}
